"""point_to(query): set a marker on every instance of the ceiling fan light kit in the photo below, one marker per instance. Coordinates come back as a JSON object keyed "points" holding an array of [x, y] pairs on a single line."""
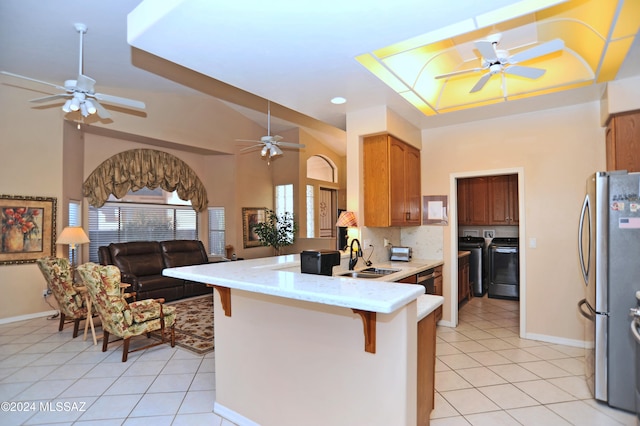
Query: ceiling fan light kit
{"points": [[270, 144], [79, 93], [497, 61]]}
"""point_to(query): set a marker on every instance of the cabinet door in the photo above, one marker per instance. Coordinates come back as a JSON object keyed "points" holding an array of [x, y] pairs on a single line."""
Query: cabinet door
{"points": [[463, 201], [375, 153], [397, 187], [499, 200], [412, 186], [478, 201], [514, 207], [438, 286], [623, 142]]}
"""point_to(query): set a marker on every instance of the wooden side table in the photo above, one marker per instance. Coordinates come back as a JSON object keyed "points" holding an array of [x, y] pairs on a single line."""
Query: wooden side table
{"points": [[89, 321]]}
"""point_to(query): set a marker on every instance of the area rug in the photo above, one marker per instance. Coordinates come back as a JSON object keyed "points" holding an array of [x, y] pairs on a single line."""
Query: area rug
{"points": [[194, 324]]}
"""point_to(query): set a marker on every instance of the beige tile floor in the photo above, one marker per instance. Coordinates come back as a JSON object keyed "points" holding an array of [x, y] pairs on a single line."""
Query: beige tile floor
{"points": [[78, 384], [487, 375]]}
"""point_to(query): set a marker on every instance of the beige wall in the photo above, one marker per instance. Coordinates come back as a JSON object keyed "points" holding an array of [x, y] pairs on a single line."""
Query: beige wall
{"points": [[30, 165], [556, 150], [43, 155], [263, 349]]}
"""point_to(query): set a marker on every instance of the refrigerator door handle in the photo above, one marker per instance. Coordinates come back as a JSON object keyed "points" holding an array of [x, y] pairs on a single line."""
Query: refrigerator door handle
{"points": [[585, 213], [591, 315], [634, 326]]}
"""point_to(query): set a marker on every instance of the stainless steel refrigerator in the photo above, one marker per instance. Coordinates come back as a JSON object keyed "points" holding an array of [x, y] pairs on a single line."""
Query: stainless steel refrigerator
{"points": [[609, 252]]}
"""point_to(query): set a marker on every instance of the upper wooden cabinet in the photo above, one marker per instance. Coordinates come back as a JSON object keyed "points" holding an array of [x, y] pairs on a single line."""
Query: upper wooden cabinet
{"points": [[503, 196], [623, 142], [391, 182], [473, 201], [488, 200]]}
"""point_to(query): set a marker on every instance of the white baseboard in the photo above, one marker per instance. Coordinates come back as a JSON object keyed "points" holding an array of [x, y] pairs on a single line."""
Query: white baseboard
{"points": [[232, 416], [446, 323], [27, 317], [556, 340]]}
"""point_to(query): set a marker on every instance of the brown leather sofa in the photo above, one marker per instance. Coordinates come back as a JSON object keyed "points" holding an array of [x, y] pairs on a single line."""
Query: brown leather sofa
{"points": [[141, 264]]}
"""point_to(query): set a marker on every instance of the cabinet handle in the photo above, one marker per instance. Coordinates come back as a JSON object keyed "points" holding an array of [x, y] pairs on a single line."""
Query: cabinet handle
{"points": [[407, 216]]}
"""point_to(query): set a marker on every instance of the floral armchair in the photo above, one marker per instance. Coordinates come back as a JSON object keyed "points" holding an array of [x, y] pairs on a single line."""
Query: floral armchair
{"points": [[125, 320], [71, 302]]}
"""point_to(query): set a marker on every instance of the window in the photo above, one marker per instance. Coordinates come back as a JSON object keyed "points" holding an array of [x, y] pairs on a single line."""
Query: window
{"points": [[284, 199], [216, 231], [122, 221], [310, 213], [321, 168]]}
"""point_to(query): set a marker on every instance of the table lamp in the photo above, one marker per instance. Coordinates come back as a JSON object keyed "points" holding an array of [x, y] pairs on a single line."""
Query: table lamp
{"points": [[73, 236], [347, 220]]}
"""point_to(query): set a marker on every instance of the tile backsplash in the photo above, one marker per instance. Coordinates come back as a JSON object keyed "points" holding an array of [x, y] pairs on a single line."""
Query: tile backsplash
{"points": [[427, 242]]}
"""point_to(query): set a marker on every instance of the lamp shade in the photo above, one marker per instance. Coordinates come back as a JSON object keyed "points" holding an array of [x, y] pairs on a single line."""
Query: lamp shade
{"points": [[72, 235], [347, 219]]}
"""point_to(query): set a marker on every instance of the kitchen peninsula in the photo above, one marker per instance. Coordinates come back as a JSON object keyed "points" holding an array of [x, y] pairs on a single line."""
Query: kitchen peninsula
{"points": [[295, 348]]}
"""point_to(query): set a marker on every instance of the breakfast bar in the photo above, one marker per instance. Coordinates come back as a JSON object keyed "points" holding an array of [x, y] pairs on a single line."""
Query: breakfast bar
{"points": [[294, 348]]}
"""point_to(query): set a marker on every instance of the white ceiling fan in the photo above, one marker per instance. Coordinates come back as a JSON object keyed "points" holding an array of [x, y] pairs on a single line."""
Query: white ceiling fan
{"points": [[497, 61], [80, 93], [270, 144]]}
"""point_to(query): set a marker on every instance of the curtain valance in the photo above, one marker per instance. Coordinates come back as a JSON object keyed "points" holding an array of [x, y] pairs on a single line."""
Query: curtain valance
{"points": [[137, 168]]}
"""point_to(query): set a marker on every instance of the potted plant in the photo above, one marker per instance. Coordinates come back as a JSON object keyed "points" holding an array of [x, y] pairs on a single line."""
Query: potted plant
{"points": [[276, 231]]}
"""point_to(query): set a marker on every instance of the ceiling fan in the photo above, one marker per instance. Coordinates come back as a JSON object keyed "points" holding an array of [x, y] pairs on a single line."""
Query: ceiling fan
{"points": [[270, 144], [80, 93], [496, 61]]}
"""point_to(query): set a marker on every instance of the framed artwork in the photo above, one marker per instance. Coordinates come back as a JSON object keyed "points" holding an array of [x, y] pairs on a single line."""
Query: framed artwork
{"points": [[251, 216], [434, 210], [28, 228]]}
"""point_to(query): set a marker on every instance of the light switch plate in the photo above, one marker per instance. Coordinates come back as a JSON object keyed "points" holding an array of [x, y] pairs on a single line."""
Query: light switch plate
{"points": [[489, 233]]}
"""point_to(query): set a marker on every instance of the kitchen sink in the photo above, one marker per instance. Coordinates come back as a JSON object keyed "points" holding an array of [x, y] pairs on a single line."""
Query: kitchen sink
{"points": [[380, 271], [369, 273]]}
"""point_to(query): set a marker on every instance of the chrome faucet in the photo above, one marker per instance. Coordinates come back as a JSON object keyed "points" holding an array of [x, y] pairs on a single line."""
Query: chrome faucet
{"points": [[352, 260]]}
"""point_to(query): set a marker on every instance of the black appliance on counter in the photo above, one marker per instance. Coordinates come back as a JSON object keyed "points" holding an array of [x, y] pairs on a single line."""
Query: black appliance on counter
{"points": [[319, 262], [477, 247], [504, 269]]}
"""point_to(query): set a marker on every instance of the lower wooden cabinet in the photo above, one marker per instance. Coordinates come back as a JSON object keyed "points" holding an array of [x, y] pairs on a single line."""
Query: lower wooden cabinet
{"points": [[426, 368], [464, 290], [437, 285]]}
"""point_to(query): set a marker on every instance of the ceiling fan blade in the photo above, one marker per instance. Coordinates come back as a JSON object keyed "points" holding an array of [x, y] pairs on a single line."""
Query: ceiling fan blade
{"points": [[249, 148], [248, 140], [454, 73], [536, 51], [100, 110], [85, 83], [117, 100], [487, 49], [50, 98], [33, 79], [527, 72], [480, 84], [290, 144]]}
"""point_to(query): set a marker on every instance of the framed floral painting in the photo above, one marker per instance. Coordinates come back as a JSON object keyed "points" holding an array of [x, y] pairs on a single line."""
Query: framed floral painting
{"points": [[251, 216], [28, 228]]}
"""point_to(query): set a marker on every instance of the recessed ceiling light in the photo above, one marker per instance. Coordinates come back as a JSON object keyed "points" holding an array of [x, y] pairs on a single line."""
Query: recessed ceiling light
{"points": [[338, 100]]}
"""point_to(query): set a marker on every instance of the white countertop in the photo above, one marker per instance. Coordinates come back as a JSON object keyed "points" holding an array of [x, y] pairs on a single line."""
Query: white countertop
{"points": [[428, 303], [281, 276]]}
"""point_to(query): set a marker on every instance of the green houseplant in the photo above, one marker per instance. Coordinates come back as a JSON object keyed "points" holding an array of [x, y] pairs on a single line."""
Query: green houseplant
{"points": [[276, 231]]}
